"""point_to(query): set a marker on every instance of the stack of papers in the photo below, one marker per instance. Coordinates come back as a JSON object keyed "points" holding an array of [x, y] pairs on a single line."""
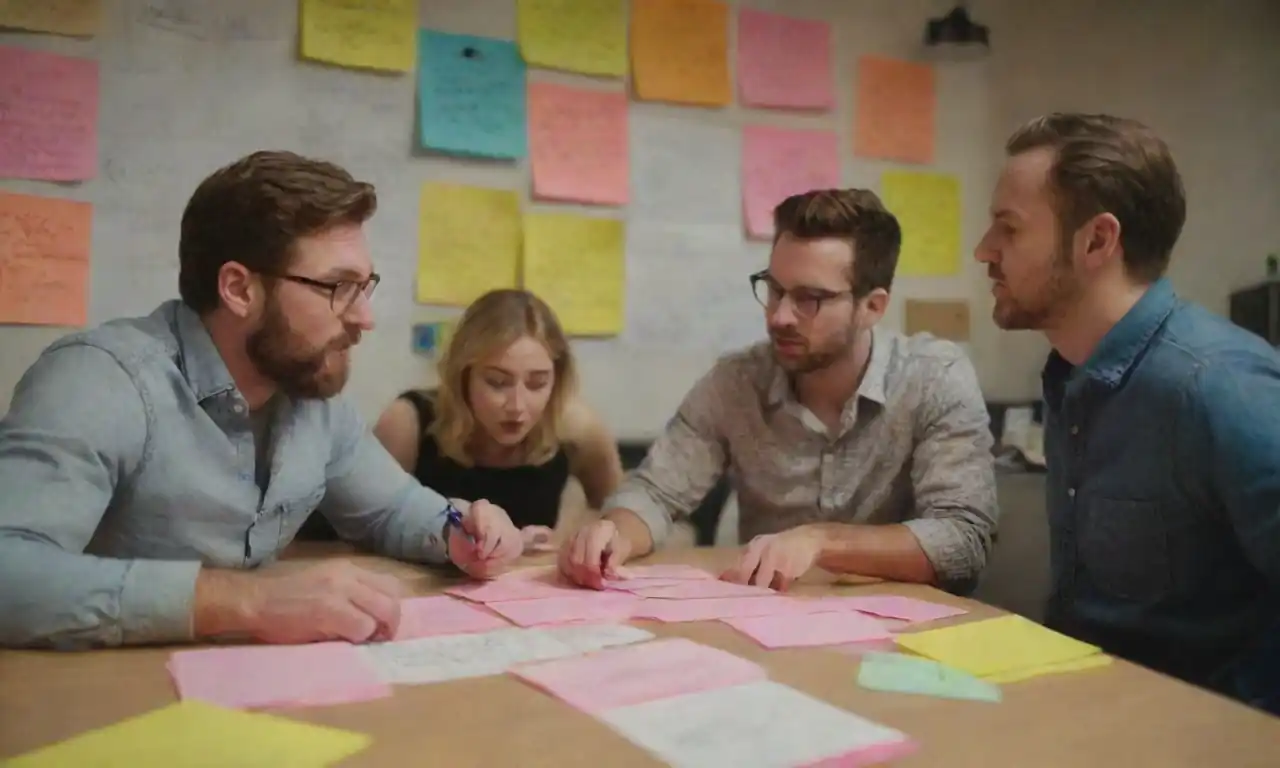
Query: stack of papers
{"points": [[1004, 650]]}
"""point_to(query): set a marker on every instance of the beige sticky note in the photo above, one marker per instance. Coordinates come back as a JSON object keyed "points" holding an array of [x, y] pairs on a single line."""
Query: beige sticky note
{"points": [[946, 319]]}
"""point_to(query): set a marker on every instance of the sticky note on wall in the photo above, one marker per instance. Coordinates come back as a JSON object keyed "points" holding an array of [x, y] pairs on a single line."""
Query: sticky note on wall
{"points": [[895, 110], [577, 265], [49, 127], [471, 96], [928, 209], [780, 162], [680, 51], [585, 36], [944, 319], [44, 260], [784, 62], [380, 36], [74, 18], [431, 339], [578, 144], [468, 243]]}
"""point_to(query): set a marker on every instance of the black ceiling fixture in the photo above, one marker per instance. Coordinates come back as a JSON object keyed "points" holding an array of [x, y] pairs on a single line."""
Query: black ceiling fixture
{"points": [[956, 30]]}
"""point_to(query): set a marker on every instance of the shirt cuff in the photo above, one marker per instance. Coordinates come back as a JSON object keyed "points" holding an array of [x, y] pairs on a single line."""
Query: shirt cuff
{"points": [[948, 550], [652, 514], [156, 601]]}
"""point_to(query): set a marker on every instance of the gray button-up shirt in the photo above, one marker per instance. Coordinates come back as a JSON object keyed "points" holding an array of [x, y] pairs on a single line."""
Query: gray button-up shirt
{"points": [[127, 462], [913, 447]]}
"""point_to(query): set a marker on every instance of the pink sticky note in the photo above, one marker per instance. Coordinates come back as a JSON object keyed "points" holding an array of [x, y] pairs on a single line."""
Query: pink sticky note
{"points": [[673, 572], [867, 646], [279, 676], [699, 589], [780, 162], [587, 606], [637, 674], [810, 629], [875, 754], [508, 589], [578, 144], [673, 611], [431, 616], [904, 609], [784, 62], [50, 108]]}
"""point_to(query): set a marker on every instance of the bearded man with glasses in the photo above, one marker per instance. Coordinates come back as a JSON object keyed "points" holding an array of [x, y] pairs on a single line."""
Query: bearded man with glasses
{"points": [[850, 447]]}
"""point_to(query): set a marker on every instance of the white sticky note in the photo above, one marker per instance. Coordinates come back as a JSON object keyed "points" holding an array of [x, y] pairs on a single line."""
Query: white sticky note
{"points": [[453, 657], [586, 638]]}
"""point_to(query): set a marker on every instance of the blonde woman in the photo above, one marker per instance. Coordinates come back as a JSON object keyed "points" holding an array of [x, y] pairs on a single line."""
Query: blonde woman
{"points": [[505, 423]]}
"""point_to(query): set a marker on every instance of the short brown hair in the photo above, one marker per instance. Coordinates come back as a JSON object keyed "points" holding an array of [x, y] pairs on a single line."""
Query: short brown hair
{"points": [[254, 210], [1107, 164], [855, 215]]}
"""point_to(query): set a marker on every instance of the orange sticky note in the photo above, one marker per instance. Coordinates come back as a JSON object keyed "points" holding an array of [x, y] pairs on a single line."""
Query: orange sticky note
{"points": [[780, 162], [578, 144], [44, 260], [896, 110], [680, 51]]}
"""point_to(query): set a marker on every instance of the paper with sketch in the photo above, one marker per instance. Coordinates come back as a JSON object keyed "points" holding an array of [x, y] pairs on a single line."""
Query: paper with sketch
{"points": [[379, 36], [636, 674], [928, 209], [468, 243], [810, 629], [50, 109], [761, 724], [439, 615], [74, 18], [471, 95], [900, 673], [585, 36], [454, 657], [996, 646], [44, 260], [780, 162], [588, 606], [578, 265], [784, 62], [696, 589], [680, 52], [905, 609], [895, 110], [578, 144], [585, 638]]}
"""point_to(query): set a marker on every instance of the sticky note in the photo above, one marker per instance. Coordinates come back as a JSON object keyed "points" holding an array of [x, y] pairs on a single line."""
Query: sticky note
{"points": [[469, 243], [680, 51], [585, 607], [439, 615], [193, 734], [895, 110], [906, 609], [578, 144], [1056, 668], [927, 206], [379, 36], [585, 36], [457, 657], [996, 646], [780, 162], [587, 638], [664, 571], [694, 589], [784, 62], [431, 338], [508, 589], [675, 611], [899, 673], [44, 260], [577, 265], [810, 629], [471, 96], [50, 108], [946, 319], [74, 18]]}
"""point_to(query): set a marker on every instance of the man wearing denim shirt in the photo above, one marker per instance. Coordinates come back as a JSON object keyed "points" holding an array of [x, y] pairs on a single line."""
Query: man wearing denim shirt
{"points": [[1162, 420], [148, 466]]}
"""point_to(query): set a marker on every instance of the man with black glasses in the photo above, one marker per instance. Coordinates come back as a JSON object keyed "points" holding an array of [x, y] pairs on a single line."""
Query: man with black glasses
{"points": [[851, 448]]}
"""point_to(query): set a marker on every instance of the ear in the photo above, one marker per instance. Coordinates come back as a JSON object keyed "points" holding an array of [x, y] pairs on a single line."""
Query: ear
{"points": [[1101, 241], [241, 291], [875, 304]]}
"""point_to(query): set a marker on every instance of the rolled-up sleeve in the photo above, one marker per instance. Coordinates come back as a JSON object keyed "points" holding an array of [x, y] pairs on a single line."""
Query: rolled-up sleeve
{"points": [[370, 500], [76, 429], [953, 474]]}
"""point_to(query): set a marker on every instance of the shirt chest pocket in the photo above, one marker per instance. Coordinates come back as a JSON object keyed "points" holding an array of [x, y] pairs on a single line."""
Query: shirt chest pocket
{"points": [[1124, 549], [296, 508]]}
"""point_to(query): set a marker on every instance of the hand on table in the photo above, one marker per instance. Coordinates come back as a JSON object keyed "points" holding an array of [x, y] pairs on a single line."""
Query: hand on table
{"points": [[538, 539], [775, 560], [593, 554], [488, 541]]}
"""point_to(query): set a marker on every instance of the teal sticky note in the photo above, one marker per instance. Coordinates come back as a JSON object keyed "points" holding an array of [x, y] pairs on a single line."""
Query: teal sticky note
{"points": [[471, 96], [900, 673]]}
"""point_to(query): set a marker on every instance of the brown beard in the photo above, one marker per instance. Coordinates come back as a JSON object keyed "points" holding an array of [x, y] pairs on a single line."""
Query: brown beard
{"points": [[816, 360], [296, 367], [1059, 289]]}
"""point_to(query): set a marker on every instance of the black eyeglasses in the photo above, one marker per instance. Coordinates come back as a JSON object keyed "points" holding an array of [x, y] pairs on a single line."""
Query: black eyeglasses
{"points": [[806, 302], [342, 293]]}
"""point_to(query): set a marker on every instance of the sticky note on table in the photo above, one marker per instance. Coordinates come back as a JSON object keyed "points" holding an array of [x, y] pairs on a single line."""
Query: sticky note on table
{"points": [[455, 657], [809, 629], [675, 611], [586, 607], [585, 36], [946, 319], [895, 110], [193, 734], [906, 609], [899, 673], [996, 646], [664, 571], [50, 107], [587, 638], [680, 51], [380, 36], [927, 206], [1058, 668], [44, 260], [507, 589], [578, 144], [784, 62], [636, 674], [74, 18], [276, 676], [780, 162], [468, 243], [471, 96], [439, 615], [577, 264], [695, 589]]}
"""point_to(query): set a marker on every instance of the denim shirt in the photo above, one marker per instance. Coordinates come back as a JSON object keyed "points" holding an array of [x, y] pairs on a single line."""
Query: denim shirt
{"points": [[127, 463], [1164, 496]]}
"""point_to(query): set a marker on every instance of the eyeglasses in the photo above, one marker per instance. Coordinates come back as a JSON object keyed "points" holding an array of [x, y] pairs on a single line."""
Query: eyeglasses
{"points": [[343, 293], [806, 302]]}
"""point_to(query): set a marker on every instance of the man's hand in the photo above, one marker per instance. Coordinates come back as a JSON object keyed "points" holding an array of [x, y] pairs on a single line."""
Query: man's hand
{"points": [[594, 554], [336, 600], [487, 543], [777, 559]]}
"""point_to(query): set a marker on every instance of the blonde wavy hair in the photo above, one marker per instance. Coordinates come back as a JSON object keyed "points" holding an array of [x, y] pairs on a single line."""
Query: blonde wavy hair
{"points": [[492, 323]]}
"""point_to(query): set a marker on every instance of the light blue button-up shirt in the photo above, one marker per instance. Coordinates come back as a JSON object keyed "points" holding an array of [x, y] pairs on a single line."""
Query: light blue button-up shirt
{"points": [[127, 463]]}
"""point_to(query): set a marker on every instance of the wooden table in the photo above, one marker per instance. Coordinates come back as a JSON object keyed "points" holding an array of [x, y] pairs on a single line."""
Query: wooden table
{"points": [[1121, 715]]}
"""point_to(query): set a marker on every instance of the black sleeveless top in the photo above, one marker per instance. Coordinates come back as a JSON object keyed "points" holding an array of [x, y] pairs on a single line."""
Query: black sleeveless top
{"points": [[529, 493]]}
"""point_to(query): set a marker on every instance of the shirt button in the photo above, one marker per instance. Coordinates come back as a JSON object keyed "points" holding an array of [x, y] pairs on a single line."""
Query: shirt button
{"points": [[238, 408]]}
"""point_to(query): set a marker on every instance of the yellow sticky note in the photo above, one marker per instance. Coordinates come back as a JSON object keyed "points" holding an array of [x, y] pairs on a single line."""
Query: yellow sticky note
{"points": [[928, 209], [74, 18], [192, 734], [364, 34], [996, 646], [587, 36], [680, 51], [468, 243], [1059, 668], [577, 264]]}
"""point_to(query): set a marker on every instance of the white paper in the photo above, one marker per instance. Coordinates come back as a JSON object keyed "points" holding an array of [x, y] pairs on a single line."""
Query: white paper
{"points": [[585, 638], [453, 657], [683, 169], [757, 725]]}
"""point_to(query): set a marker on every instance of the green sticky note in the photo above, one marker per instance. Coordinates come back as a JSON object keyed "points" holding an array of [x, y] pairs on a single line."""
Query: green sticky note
{"points": [[899, 673]]}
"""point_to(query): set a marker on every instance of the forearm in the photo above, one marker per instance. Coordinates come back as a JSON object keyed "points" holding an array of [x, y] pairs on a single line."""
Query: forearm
{"points": [[410, 528], [884, 551], [632, 528]]}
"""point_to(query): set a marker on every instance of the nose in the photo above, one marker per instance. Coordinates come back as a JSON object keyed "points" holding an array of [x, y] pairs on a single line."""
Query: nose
{"points": [[515, 401], [983, 253], [782, 314], [360, 313]]}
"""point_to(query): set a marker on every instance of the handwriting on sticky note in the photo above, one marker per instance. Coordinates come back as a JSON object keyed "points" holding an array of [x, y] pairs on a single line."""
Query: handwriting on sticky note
{"points": [[586, 638], [899, 673], [44, 260], [577, 264], [376, 34], [50, 108], [635, 674], [895, 110], [809, 629], [927, 206], [784, 62], [587, 606], [780, 162], [454, 657], [471, 96], [680, 51], [586, 36], [996, 646], [439, 615], [191, 732], [74, 18], [578, 144], [696, 589], [468, 243]]}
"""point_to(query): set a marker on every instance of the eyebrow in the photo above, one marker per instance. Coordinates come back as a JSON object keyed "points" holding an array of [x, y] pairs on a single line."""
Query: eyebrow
{"points": [[505, 372], [802, 287]]}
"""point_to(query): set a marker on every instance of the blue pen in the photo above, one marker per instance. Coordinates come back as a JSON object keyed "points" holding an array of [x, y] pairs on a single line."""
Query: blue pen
{"points": [[454, 517]]}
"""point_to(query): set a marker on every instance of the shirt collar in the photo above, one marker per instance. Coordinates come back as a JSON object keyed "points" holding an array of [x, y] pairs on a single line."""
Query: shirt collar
{"points": [[873, 386], [200, 360]]}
